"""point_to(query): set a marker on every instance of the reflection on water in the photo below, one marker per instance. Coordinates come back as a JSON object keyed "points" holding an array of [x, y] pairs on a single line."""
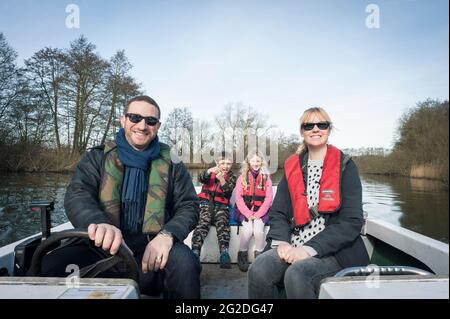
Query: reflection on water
{"points": [[416, 204], [17, 191]]}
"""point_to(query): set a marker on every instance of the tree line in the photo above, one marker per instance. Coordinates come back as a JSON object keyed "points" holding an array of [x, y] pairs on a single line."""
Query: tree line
{"points": [[237, 126], [59, 103], [421, 147], [64, 100]]}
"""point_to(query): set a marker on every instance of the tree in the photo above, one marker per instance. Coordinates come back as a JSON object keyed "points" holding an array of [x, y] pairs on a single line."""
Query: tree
{"points": [[32, 119], [237, 122], [423, 133], [64, 99], [287, 145], [11, 84], [120, 87], [86, 79], [179, 120], [177, 132], [47, 72]]}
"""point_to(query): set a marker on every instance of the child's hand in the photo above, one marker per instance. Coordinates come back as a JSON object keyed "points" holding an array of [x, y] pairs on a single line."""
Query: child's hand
{"points": [[214, 170]]}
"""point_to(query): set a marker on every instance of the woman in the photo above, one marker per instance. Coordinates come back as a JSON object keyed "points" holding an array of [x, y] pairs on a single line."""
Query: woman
{"points": [[314, 233], [253, 200]]}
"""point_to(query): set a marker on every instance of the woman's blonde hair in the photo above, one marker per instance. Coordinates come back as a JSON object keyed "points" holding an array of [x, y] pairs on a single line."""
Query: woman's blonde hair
{"points": [[320, 112], [246, 167]]}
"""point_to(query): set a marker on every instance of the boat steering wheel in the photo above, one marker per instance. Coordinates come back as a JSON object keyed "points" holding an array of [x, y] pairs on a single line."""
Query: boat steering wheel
{"points": [[123, 255]]}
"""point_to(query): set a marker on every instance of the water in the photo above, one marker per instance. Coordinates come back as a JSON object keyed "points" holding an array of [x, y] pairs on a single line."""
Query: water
{"points": [[416, 204], [17, 191]]}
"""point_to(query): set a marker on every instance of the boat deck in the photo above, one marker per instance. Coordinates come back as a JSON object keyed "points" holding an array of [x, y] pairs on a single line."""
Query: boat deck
{"points": [[218, 283]]}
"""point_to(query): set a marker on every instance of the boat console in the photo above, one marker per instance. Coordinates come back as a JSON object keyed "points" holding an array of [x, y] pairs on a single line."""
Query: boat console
{"points": [[67, 288]]}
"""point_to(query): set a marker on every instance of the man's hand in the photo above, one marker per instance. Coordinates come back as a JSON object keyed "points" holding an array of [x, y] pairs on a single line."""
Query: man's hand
{"points": [[294, 254], [282, 249], [107, 236], [156, 253]]}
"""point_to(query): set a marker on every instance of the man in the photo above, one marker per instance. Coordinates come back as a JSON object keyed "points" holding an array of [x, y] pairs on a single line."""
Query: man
{"points": [[129, 190], [218, 184]]}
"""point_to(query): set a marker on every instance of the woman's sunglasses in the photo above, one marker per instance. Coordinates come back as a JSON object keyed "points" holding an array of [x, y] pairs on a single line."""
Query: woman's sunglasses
{"points": [[136, 118], [320, 125]]}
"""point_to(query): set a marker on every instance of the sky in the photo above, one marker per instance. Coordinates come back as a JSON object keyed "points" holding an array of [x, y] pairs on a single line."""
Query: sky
{"points": [[364, 66]]}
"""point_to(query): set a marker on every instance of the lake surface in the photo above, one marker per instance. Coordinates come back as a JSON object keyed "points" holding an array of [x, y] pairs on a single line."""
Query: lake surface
{"points": [[417, 204]]}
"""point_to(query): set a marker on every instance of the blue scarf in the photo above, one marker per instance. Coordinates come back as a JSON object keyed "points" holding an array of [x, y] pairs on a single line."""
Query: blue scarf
{"points": [[135, 181]]}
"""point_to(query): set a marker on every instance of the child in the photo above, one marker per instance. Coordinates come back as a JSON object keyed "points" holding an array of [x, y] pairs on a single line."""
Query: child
{"points": [[218, 184], [253, 200]]}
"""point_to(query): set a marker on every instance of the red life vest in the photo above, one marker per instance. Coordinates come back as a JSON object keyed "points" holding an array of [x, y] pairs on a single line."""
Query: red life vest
{"points": [[212, 188], [330, 195], [254, 195]]}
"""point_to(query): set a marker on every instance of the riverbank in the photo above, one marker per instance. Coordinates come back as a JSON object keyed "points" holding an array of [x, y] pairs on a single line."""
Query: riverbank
{"points": [[392, 166], [42, 167], [421, 148], [443, 184], [16, 159], [62, 162], [36, 159]]}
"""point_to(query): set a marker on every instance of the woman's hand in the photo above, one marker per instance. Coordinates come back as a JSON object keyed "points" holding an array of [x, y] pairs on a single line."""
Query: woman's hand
{"points": [[295, 254], [282, 249]]}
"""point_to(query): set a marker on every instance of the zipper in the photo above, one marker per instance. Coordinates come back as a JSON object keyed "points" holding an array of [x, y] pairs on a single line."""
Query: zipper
{"points": [[254, 191]]}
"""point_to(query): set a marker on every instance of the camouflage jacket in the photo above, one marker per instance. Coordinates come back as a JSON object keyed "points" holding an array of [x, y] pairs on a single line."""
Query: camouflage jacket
{"points": [[110, 189]]}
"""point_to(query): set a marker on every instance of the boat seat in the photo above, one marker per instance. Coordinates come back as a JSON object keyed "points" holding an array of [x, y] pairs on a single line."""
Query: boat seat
{"points": [[210, 249]]}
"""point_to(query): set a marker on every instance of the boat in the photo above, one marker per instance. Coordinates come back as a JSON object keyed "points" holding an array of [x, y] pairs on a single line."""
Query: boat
{"points": [[403, 265]]}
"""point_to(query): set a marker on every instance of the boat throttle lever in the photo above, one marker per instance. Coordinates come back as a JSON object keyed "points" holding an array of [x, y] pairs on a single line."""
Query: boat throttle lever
{"points": [[45, 207]]}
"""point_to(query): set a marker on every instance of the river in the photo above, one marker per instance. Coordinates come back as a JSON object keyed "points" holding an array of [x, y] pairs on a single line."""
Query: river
{"points": [[416, 204]]}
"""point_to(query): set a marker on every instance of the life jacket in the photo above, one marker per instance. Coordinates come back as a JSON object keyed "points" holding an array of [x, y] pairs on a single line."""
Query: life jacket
{"points": [[158, 181], [213, 190], [330, 185], [255, 193]]}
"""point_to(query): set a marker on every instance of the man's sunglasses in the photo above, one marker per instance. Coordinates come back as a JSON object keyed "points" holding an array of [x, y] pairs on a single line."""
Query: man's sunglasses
{"points": [[136, 118], [320, 125]]}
